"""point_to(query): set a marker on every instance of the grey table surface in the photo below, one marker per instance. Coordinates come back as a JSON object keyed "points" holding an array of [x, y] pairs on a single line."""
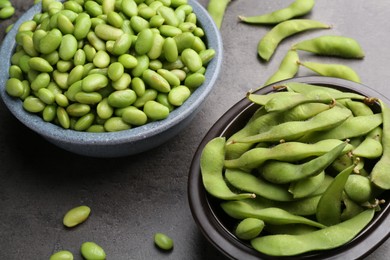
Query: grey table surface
{"points": [[134, 197]]}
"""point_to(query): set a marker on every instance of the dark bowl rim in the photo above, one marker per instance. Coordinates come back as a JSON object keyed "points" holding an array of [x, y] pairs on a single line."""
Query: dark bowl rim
{"points": [[377, 232], [54, 132]]}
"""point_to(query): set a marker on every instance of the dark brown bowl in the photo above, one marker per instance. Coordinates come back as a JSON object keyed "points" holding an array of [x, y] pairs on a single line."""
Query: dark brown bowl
{"points": [[216, 226]]}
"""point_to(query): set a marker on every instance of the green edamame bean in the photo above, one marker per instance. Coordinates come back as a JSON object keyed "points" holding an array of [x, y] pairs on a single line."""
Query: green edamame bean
{"points": [[114, 19], [155, 65], [28, 45], [14, 87], [33, 104], [49, 113], [169, 15], [122, 44], [68, 47], [115, 71], [39, 64], [73, 6], [194, 80], [212, 164], [184, 40], [63, 117], [170, 50], [42, 80], [268, 44], [64, 66], [162, 98], [60, 78], [84, 122], [46, 96], [163, 241], [6, 12], [91, 250], [288, 68], [76, 216], [101, 59], [326, 238], [295, 9], [332, 70], [51, 41], [289, 172], [207, 55], [82, 25], [144, 41], [191, 59], [157, 47], [142, 65], [332, 45], [155, 110], [64, 24], [61, 100], [94, 82], [379, 175], [75, 74], [128, 61], [156, 81], [217, 9], [138, 85], [78, 110], [178, 95], [122, 98], [15, 71], [62, 255], [172, 78], [104, 110], [149, 94], [169, 30], [107, 32], [249, 228], [79, 57], [156, 21], [123, 82], [134, 116], [89, 98], [138, 23], [114, 124]]}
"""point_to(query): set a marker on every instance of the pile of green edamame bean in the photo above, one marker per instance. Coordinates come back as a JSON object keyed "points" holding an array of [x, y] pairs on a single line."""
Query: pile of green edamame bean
{"points": [[306, 172], [286, 24], [108, 65]]}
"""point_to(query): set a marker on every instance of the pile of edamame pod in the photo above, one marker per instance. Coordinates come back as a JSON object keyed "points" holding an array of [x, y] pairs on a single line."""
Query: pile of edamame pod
{"points": [[306, 172], [108, 65], [289, 21]]}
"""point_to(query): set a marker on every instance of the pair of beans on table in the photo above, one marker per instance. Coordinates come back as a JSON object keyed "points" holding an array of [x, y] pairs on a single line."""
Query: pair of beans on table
{"points": [[286, 26], [297, 167], [108, 66]]}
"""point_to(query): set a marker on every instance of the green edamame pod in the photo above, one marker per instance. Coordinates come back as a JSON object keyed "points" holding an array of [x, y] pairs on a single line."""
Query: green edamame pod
{"points": [[329, 206], [332, 45], [379, 174], [358, 188], [326, 238], [290, 172], [245, 181], [212, 164], [306, 186], [276, 216], [293, 130], [296, 8], [289, 151], [371, 147], [352, 127], [288, 68], [271, 40], [332, 70], [216, 9]]}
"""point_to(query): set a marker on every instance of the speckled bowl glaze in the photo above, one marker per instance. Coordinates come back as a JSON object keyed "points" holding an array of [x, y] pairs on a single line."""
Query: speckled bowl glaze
{"points": [[217, 226], [121, 143]]}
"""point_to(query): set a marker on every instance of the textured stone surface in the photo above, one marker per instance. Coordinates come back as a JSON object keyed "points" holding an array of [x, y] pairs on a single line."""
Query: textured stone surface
{"points": [[133, 197]]}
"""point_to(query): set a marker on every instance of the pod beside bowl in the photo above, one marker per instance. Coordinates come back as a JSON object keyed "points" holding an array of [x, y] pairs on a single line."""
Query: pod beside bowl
{"points": [[125, 142], [218, 227]]}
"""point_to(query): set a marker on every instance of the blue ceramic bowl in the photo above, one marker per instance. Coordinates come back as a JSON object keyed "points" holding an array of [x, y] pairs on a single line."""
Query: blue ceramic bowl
{"points": [[121, 143], [217, 226]]}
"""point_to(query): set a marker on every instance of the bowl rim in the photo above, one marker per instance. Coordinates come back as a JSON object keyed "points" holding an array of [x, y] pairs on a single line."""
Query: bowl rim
{"points": [[55, 132], [377, 232]]}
